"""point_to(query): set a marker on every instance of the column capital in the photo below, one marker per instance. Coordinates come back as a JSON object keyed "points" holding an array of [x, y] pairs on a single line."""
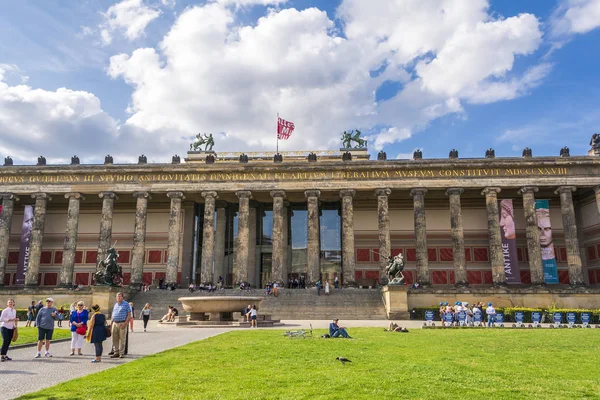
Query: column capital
{"points": [[278, 193], [568, 189], [108, 195], [244, 194], [528, 189], [144, 195], [454, 191], [8, 196], [41, 196], [490, 190], [383, 192], [211, 194], [347, 193], [175, 195], [312, 193], [418, 192], [74, 195]]}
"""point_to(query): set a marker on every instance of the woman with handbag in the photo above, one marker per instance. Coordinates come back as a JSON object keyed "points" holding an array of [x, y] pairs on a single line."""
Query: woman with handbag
{"points": [[78, 328], [9, 327], [97, 332]]}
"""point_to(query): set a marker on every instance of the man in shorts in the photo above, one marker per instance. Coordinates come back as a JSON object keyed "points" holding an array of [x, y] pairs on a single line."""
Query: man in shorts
{"points": [[45, 324]]}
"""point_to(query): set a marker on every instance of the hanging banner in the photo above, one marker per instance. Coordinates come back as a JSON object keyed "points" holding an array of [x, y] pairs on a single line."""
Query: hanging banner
{"points": [[24, 250], [509, 242], [542, 211]]}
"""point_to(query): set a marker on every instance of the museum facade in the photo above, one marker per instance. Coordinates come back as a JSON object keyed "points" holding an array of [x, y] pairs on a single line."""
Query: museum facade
{"points": [[257, 217]]}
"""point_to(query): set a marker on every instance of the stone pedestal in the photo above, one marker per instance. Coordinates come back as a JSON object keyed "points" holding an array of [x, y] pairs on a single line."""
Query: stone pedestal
{"points": [[534, 250], [240, 274], [138, 254], [68, 261], [313, 256], [208, 238], [349, 265], [418, 195], [495, 237], [571, 240], [104, 242], [395, 298], [37, 238], [8, 205], [383, 222], [279, 246], [458, 237], [174, 235]]}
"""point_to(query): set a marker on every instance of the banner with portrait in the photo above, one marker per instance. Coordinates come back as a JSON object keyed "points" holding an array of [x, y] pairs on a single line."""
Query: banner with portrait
{"points": [[508, 232], [542, 212], [24, 249]]}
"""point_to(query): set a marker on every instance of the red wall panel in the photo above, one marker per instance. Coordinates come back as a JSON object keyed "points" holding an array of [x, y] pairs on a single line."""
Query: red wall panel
{"points": [[362, 255]]}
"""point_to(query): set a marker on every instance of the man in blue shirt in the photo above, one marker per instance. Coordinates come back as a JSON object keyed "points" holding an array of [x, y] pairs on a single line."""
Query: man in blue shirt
{"points": [[118, 323], [335, 330]]}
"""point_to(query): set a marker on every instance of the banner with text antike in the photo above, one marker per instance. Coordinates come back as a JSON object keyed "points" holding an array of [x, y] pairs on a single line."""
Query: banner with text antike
{"points": [[542, 212], [509, 242], [24, 250]]}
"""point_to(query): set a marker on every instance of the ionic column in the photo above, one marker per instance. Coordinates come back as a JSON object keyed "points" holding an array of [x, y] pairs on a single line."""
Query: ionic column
{"points": [[8, 206], [241, 255], [174, 235], [495, 237], [383, 219], [349, 264], [418, 195], [597, 192], [314, 249], [139, 239], [37, 238], [68, 261], [571, 240], [208, 238], [458, 237], [252, 217], [279, 245], [534, 251], [104, 242], [220, 242], [286, 263]]}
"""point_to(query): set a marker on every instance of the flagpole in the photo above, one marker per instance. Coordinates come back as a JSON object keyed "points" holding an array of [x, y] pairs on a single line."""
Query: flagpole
{"points": [[277, 133]]}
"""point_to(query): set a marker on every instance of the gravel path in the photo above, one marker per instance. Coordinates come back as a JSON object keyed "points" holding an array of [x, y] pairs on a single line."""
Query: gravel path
{"points": [[24, 374]]}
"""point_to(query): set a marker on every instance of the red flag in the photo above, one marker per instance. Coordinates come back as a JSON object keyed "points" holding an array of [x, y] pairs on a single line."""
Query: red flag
{"points": [[284, 129]]}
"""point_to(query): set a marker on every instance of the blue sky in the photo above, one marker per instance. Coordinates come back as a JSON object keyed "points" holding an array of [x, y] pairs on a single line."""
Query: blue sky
{"points": [[144, 76]]}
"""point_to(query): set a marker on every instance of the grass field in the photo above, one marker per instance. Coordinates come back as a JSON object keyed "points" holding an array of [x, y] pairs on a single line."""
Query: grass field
{"points": [[421, 364], [30, 335]]}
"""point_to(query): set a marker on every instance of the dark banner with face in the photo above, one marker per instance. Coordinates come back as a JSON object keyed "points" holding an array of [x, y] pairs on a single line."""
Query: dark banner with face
{"points": [[542, 212], [509, 242], [24, 250]]}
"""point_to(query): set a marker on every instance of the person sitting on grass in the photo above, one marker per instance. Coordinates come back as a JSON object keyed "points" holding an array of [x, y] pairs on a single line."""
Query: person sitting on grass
{"points": [[394, 327], [335, 330]]}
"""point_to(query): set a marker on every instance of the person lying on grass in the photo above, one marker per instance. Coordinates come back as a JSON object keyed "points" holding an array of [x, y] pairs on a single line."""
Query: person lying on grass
{"points": [[394, 327]]}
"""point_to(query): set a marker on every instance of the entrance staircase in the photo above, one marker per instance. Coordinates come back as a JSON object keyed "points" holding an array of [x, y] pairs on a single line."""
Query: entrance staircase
{"points": [[299, 304]]}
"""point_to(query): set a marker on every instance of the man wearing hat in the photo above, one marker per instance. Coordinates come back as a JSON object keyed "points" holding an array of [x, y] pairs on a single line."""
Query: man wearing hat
{"points": [[335, 330], [45, 324]]}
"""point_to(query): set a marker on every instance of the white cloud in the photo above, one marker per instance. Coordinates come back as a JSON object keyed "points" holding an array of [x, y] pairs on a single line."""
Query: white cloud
{"points": [[247, 3], [168, 3], [575, 17], [129, 17]]}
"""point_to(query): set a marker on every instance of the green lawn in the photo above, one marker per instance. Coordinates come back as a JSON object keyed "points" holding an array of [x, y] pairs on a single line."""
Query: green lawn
{"points": [[421, 364], [30, 335]]}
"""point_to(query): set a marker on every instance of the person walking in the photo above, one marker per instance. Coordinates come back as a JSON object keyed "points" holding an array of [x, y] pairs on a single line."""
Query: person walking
{"points": [[132, 317], [326, 288], [319, 287], [30, 314], [118, 324], [45, 323], [253, 315], [8, 327], [78, 322], [336, 282], [61, 316], [145, 314], [97, 332]]}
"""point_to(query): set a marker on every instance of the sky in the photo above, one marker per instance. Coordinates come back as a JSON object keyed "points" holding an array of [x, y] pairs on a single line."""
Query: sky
{"points": [[131, 77]]}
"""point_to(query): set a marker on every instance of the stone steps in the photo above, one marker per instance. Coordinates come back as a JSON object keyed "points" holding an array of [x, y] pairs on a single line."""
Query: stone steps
{"points": [[290, 304]]}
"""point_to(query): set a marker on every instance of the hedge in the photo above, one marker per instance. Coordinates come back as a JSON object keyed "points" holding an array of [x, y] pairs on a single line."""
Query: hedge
{"points": [[418, 313]]}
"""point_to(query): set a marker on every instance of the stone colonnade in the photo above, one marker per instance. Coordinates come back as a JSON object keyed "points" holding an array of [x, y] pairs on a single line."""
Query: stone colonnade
{"points": [[213, 248]]}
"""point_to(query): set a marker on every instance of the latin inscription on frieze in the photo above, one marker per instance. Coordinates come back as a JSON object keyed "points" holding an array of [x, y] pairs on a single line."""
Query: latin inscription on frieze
{"points": [[389, 174]]}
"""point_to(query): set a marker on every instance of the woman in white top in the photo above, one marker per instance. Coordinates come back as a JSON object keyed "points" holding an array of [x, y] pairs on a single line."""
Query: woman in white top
{"points": [[326, 288], [145, 314], [253, 316], [9, 323]]}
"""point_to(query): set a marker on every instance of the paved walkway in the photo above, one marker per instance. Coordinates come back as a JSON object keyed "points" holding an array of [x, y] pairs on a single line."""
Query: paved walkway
{"points": [[24, 374]]}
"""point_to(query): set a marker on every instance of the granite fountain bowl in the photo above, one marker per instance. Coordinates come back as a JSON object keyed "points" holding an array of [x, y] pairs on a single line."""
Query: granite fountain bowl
{"points": [[218, 304]]}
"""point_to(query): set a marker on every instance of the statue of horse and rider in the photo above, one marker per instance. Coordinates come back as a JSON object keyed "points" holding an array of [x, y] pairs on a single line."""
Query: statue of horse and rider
{"points": [[108, 271], [206, 140], [353, 136], [394, 270]]}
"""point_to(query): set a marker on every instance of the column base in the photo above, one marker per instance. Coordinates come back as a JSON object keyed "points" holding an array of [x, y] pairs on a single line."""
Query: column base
{"points": [[135, 286], [31, 286], [500, 285], [65, 285], [461, 285], [578, 285]]}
